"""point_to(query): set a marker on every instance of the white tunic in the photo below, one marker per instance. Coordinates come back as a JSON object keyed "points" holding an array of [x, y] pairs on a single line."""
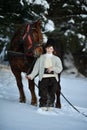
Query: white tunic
{"points": [[47, 64]]}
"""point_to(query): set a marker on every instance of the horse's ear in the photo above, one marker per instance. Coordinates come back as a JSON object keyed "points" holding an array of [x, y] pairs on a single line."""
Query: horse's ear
{"points": [[38, 23]]}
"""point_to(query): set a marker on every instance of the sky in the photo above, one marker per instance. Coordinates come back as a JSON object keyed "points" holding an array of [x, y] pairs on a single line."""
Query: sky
{"points": [[20, 116]]}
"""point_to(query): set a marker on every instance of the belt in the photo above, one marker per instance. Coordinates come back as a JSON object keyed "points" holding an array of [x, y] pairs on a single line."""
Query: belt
{"points": [[46, 71]]}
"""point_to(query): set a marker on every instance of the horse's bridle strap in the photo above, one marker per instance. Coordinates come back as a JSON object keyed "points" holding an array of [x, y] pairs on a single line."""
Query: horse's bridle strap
{"points": [[27, 34]]}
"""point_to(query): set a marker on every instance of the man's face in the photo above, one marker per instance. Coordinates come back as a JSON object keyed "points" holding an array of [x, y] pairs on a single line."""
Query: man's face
{"points": [[50, 49]]}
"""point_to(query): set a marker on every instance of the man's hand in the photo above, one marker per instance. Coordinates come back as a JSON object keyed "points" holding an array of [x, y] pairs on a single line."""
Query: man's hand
{"points": [[50, 69], [28, 76]]}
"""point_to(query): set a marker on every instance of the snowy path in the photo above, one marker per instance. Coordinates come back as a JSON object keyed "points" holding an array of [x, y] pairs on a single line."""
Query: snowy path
{"points": [[15, 116]]}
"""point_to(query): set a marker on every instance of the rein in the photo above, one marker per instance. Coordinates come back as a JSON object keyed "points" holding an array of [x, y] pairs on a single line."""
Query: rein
{"points": [[27, 35], [31, 66], [16, 53], [73, 105]]}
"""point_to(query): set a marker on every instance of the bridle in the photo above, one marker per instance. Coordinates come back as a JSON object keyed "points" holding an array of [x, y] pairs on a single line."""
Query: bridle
{"points": [[32, 44], [27, 34]]}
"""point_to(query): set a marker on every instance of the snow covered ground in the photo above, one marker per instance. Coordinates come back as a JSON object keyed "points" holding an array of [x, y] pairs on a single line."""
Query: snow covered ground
{"points": [[18, 116]]}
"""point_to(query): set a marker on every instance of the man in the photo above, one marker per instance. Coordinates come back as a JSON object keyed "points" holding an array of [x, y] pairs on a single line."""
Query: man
{"points": [[47, 66]]}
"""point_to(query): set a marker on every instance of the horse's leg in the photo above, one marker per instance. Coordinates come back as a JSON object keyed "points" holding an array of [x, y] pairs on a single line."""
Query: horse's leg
{"points": [[20, 86], [58, 102], [32, 90]]}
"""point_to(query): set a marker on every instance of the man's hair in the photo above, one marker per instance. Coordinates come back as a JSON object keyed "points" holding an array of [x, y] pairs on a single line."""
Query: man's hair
{"points": [[50, 42]]}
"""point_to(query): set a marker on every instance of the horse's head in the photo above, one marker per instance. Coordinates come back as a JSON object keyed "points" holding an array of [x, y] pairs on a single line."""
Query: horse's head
{"points": [[32, 38], [37, 33]]}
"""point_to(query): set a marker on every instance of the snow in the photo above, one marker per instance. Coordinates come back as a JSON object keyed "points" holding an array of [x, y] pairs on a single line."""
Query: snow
{"points": [[38, 2], [49, 26], [81, 36], [84, 7], [3, 52], [65, 5], [21, 2], [1, 16], [83, 15], [69, 63], [43, 3], [15, 115], [71, 21], [68, 31], [78, 2]]}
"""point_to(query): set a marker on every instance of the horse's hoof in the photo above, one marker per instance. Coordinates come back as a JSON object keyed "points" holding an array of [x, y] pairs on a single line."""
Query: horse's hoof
{"points": [[21, 100], [58, 106], [34, 103]]}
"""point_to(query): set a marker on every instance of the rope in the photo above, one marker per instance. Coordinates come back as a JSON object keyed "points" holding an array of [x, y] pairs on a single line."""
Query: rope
{"points": [[29, 70], [68, 102], [73, 106]]}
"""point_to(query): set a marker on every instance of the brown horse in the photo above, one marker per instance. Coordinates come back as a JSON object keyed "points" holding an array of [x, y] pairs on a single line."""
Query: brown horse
{"points": [[21, 55], [24, 47]]}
